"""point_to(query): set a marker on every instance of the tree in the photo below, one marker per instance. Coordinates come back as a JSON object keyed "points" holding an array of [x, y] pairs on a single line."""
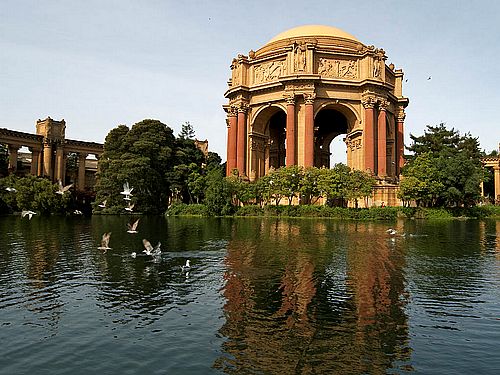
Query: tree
{"points": [[360, 186], [447, 166], [309, 190], [217, 195], [34, 193], [187, 131], [143, 156], [4, 159]]}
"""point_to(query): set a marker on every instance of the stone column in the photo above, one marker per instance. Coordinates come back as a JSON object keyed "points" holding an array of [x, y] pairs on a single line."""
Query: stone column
{"points": [[369, 141], [241, 140], [59, 168], [231, 141], [382, 139], [47, 160], [13, 149], [35, 161], [309, 131], [290, 131], [496, 171], [400, 141], [81, 171]]}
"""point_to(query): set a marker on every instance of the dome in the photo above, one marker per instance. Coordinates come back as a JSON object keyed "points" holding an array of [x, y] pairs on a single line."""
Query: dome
{"points": [[311, 31]]}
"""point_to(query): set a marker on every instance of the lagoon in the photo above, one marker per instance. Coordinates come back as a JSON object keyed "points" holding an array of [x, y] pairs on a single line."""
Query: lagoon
{"points": [[263, 296]]}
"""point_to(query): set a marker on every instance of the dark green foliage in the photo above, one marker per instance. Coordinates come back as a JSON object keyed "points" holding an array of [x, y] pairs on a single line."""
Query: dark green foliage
{"points": [[218, 194], [141, 156], [33, 193], [444, 171], [4, 160]]}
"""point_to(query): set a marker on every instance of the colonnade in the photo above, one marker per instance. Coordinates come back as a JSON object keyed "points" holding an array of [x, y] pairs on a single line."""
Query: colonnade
{"points": [[49, 156]]}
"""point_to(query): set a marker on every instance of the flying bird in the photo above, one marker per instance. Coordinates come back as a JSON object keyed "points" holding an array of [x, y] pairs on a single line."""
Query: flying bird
{"points": [[11, 189], [391, 231], [105, 242], [29, 213], [132, 228], [429, 78], [63, 189], [103, 204], [130, 207], [127, 191], [78, 212], [149, 250]]}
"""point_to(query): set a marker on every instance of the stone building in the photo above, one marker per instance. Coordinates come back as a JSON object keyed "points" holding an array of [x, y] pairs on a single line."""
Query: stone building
{"points": [[50, 151], [290, 98]]}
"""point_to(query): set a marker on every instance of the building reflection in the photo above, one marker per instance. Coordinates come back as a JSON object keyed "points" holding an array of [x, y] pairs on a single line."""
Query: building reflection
{"points": [[313, 297]]}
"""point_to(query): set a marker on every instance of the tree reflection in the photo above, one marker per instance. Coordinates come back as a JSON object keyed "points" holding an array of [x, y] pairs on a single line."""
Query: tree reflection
{"points": [[313, 297]]}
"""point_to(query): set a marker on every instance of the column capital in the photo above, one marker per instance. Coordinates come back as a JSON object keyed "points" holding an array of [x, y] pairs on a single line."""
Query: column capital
{"points": [[289, 99], [369, 101], [309, 98], [401, 115], [232, 111], [243, 108], [383, 104]]}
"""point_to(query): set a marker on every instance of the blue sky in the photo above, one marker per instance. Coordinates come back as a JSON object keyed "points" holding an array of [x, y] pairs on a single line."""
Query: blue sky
{"points": [[98, 64]]}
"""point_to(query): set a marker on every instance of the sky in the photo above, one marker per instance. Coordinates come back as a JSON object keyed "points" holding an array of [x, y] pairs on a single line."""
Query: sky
{"points": [[101, 63]]}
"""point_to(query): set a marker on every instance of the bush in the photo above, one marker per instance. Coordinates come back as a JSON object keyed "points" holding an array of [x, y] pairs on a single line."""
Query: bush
{"points": [[183, 209]]}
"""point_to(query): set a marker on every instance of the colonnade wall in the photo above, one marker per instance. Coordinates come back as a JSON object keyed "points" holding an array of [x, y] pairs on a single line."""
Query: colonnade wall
{"points": [[50, 150], [493, 162]]}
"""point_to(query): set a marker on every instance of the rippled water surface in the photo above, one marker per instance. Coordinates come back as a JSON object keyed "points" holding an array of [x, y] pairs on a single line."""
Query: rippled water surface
{"points": [[261, 297]]}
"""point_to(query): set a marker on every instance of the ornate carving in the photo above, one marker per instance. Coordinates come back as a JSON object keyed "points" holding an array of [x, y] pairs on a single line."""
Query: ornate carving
{"points": [[299, 57], [269, 71], [289, 98], [369, 101], [338, 68], [309, 98], [401, 114], [242, 107], [354, 144], [377, 63], [383, 104]]}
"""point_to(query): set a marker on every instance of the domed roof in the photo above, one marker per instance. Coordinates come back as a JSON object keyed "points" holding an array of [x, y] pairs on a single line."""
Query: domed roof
{"points": [[311, 31]]}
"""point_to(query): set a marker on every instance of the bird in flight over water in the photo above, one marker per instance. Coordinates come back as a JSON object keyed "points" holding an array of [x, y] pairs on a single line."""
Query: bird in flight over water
{"points": [[132, 228], [105, 242]]}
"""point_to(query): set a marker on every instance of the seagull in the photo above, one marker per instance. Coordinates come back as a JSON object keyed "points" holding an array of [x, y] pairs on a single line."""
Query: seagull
{"points": [[429, 78], [103, 204], [62, 189], [391, 231], [11, 189], [149, 250], [105, 242], [29, 213], [130, 207], [186, 267], [132, 228], [133, 255], [78, 212], [127, 191]]}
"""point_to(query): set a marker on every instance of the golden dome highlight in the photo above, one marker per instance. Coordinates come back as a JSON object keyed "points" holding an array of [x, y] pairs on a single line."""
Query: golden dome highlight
{"points": [[311, 31]]}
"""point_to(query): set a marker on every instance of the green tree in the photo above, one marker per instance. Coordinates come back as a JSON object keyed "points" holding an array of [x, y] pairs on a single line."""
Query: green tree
{"points": [[141, 156], [360, 186], [447, 166], [34, 193], [187, 131], [4, 159], [309, 189], [218, 194]]}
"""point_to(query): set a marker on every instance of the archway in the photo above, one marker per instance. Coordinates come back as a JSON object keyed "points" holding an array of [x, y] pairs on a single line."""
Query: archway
{"points": [[267, 141], [328, 124]]}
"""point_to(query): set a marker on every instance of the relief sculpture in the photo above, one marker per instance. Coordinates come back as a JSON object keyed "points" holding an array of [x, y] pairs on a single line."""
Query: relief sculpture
{"points": [[269, 71], [338, 68]]}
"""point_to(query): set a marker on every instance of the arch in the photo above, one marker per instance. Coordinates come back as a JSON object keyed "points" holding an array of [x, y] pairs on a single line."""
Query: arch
{"points": [[330, 121], [267, 140]]}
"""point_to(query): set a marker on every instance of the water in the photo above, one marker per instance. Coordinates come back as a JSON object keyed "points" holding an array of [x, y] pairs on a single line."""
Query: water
{"points": [[262, 297]]}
